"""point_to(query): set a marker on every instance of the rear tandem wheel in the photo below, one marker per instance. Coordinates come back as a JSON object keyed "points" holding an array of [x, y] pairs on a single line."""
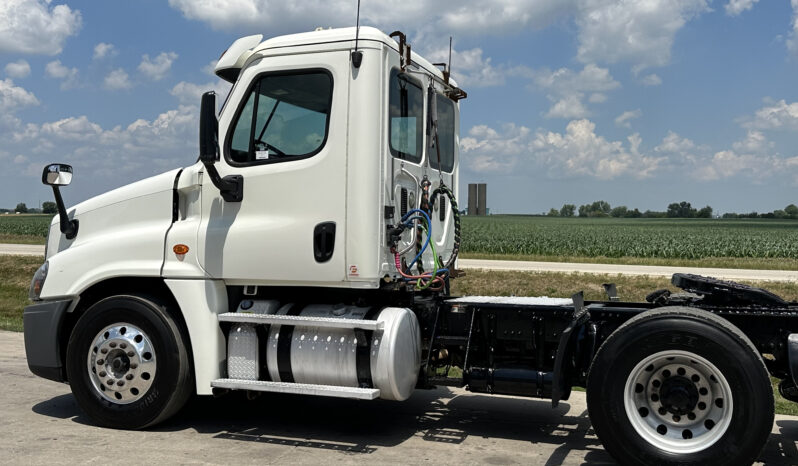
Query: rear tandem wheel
{"points": [[680, 386]]}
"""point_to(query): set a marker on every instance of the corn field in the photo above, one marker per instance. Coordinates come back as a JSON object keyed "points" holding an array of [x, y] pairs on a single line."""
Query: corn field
{"points": [[25, 225], [611, 237]]}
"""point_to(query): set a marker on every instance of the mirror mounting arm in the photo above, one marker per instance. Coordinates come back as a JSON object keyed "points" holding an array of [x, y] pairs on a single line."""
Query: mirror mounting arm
{"points": [[231, 187], [68, 227]]}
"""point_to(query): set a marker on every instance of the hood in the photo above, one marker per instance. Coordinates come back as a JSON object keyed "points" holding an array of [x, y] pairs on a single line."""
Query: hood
{"points": [[154, 184]]}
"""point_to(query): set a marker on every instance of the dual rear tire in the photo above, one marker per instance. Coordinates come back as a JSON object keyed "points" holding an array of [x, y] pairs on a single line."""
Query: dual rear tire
{"points": [[680, 386]]}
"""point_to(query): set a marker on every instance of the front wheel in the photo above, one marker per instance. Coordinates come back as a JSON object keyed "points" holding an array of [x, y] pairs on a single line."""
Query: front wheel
{"points": [[127, 364], [680, 386]]}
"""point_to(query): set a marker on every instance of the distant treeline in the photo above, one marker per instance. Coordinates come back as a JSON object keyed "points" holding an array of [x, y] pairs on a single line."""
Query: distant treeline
{"points": [[47, 208], [675, 210]]}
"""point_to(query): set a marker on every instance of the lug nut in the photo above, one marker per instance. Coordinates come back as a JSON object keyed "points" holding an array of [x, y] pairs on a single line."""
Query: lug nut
{"points": [[112, 344], [100, 362], [121, 383], [123, 345], [104, 350], [110, 382], [133, 365], [129, 376], [130, 354], [102, 374]]}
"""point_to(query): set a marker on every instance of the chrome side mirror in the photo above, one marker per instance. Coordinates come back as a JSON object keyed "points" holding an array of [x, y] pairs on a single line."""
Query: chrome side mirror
{"points": [[57, 174]]}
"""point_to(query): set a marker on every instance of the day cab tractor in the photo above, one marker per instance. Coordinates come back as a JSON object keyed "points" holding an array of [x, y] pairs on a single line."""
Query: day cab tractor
{"points": [[310, 248]]}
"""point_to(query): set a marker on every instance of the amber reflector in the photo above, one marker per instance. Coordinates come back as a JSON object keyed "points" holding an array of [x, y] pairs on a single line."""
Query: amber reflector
{"points": [[180, 249]]}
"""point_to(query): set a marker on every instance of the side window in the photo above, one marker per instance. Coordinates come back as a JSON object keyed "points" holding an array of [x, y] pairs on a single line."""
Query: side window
{"points": [[285, 117], [406, 117], [446, 132]]}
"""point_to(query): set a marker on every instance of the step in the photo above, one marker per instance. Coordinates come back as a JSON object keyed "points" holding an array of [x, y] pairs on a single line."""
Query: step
{"points": [[298, 388], [300, 321]]}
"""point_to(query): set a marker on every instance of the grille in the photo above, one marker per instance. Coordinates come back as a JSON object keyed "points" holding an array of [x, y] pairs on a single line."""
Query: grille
{"points": [[403, 206]]}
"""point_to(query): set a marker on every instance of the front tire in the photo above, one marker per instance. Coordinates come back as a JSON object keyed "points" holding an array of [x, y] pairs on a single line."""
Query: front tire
{"points": [[127, 363], [680, 386]]}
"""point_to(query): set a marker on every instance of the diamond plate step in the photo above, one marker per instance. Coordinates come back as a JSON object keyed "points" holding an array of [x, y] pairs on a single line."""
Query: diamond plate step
{"points": [[298, 388], [299, 321]]}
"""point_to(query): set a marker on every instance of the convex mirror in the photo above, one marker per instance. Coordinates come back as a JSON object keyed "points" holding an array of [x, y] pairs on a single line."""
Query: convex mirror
{"points": [[57, 174]]}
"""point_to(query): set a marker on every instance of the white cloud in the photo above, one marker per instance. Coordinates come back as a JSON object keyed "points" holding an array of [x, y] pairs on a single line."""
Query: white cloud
{"points": [[639, 32], [190, 93], [651, 80], [750, 158], [116, 155], [103, 50], [117, 79], [56, 70], [469, 67], [14, 97], [755, 142], [577, 152], [20, 159], [567, 88], [36, 27], [792, 37], [569, 106], [736, 7], [157, 68], [625, 118], [18, 69], [779, 115]]}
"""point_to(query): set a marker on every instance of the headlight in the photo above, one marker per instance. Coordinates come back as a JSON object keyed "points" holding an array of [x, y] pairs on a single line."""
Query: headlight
{"points": [[38, 282]]}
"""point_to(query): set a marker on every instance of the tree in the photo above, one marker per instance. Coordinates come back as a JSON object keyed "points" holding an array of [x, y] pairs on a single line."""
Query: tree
{"points": [[567, 210], [620, 211], [49, 207], [553, 212], [21, 208], [584, 210], [681, 210], [791, 211], [705, 212]]}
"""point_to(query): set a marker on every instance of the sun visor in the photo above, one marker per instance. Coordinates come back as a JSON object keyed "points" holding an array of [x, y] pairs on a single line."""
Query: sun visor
{"points": [[229, 65]]}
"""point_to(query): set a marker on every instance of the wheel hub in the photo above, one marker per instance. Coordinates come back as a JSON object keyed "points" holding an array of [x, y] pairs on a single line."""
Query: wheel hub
{"points": [[678, 401], [679, 395], [121, 363]]}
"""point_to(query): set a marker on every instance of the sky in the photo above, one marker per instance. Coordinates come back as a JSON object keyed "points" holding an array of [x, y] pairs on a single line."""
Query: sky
{"points": [[637, 102]]}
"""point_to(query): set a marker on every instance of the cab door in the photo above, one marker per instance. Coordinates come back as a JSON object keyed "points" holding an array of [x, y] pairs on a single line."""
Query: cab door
{"points": [[283, 129]]}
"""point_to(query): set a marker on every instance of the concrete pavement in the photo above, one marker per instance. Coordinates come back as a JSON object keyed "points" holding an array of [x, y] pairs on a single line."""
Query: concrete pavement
{"points": [[41, 424], [616, 269]]}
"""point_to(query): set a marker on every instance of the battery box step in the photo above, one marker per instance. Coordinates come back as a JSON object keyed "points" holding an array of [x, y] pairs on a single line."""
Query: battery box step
{"points": [[298, 388], [299, 321]]}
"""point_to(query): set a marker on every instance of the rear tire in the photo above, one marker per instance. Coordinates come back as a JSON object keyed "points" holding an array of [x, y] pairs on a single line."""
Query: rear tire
{"points": [[717, 409], [127, 363]]}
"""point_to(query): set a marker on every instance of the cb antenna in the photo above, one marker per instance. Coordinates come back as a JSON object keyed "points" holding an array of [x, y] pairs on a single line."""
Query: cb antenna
{"points": [[448, 68], [357, 56]]}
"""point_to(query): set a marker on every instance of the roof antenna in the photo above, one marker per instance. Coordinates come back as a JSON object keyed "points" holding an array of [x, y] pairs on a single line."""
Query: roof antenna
{"points": [[448, 68], [357, 56]]}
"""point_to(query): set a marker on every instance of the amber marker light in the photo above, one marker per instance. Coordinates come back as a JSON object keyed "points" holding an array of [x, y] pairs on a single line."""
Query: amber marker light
{"points": [[180, 249]]}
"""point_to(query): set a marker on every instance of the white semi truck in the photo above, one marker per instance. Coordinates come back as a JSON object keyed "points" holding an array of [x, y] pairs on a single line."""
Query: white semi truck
{"points": [[310, 249]]}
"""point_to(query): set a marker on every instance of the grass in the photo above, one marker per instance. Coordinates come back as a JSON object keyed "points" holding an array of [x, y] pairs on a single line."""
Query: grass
{"points": [[21, 239], [16, 273], [630, 288]]}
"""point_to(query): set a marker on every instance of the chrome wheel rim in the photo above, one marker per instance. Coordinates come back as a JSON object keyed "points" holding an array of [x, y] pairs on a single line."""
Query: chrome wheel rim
{"points": [[121, 363], [678, 401]]}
